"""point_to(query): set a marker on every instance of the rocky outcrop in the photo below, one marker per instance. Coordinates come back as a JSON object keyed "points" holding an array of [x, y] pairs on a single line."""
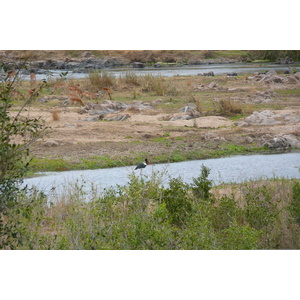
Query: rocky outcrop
{"points": [[272, 77], [284, 61], [78, 66], [267, 118], [187, 113], [211, 86], [115, 107], [278, 143]]}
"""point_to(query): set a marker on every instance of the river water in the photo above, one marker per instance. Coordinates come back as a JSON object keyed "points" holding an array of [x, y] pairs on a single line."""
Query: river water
{"points": [[229, 169], [185, 70]]}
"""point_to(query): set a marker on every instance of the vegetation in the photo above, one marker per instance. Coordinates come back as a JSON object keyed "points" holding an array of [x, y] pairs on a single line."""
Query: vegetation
{"points": [[16, 135], [164, 56], [154, 213]]}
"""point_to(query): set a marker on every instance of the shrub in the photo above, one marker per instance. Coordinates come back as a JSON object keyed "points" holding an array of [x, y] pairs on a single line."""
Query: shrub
{"points": [[202, 185], [229, 107], [14, 156], [295, 202], [177, 203]]}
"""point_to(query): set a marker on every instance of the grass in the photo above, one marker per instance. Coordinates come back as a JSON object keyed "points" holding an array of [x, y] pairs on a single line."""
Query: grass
{"points": [[166, 156], [288, 92]]}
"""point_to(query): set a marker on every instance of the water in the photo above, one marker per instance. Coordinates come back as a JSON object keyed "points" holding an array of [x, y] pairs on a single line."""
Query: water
{"points": [[229, 169], [186, 70]]}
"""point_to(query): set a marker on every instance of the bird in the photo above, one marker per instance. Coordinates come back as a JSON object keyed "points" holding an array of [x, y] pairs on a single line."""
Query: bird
{"points": [[143, 165]]}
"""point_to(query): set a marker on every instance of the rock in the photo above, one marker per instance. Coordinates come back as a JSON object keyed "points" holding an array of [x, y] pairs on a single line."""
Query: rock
{"points": [[249, 139], [231, 74], [119, 117], [189, 107], [265, 117], [278, 143], [271, 72], [93, 119], [213, 85], [156, 102], [292, 140], [297, 75], [158, 65], [292, 79], [181, 117], [209, 74], [286, 60], [138, 65], [51, 143]]}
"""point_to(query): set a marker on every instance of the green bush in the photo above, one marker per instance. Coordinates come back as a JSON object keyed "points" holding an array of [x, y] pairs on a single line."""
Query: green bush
{"points": [[295, 203], [177, 202], [202, 185]]}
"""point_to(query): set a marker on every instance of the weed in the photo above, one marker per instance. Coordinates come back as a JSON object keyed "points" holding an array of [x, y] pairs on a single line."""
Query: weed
{"points": [[55, 116]]}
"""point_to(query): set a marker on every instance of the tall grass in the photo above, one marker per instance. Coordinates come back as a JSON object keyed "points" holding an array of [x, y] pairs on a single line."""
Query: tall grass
{"points": [[158, 212], [99, 80]]}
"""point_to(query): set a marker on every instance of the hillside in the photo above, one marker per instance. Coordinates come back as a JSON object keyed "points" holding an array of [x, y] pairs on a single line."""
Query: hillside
{"points": [[149, 56]]}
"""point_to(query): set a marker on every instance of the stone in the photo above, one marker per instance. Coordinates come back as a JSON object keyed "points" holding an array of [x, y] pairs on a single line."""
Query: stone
{"points": [[209, 74], [138, 65], [119, 117], [292, 140], [188, 107], [213, 85], [278, 143], [249, 139], [297, 75], [292, 79], [51, 143]]}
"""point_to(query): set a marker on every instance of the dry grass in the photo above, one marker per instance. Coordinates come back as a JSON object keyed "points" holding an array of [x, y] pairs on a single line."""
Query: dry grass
{"points": [[229, 107], [101, 80], [55, 115]]}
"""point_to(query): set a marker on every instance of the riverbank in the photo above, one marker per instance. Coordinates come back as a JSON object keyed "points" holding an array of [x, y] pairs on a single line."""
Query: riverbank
{"points": [[85, 61], [164, 119]]}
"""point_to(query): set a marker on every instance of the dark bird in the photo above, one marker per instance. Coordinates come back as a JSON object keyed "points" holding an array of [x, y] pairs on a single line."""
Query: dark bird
{"points": [[143, 165]]}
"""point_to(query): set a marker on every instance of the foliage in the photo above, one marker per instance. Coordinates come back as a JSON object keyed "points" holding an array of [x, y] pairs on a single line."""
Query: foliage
{"points": [[295, 203], [17, 133], [151, 212], [202, 185]]}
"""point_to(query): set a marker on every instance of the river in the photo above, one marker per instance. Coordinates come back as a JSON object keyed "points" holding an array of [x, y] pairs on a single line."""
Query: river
{"points": [[185, 70], [229, 169]]}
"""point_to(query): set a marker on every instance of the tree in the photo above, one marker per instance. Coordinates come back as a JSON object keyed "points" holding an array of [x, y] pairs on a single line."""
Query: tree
{"points": [[17, 133]]}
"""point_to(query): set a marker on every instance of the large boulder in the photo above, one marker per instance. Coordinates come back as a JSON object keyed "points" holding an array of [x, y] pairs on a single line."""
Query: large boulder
{"points": [[278, 143], [265, 117]]}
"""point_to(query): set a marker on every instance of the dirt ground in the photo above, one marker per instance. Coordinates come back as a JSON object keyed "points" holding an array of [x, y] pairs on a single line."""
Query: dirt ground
{"points": [[71, 136]]}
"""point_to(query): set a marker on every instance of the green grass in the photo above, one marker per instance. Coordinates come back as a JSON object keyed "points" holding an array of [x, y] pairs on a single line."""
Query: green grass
{"points": [[288, 92], [99, 162]]}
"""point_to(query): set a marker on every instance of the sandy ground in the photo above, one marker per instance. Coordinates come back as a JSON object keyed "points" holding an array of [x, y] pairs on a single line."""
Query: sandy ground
{"points": [[73, 136]]}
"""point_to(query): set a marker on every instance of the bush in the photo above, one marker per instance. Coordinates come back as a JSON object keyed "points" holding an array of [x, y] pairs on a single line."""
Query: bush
{"points": [[202, 185], [177, 203], [14, 156], [295, 203], [16, 135]]}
